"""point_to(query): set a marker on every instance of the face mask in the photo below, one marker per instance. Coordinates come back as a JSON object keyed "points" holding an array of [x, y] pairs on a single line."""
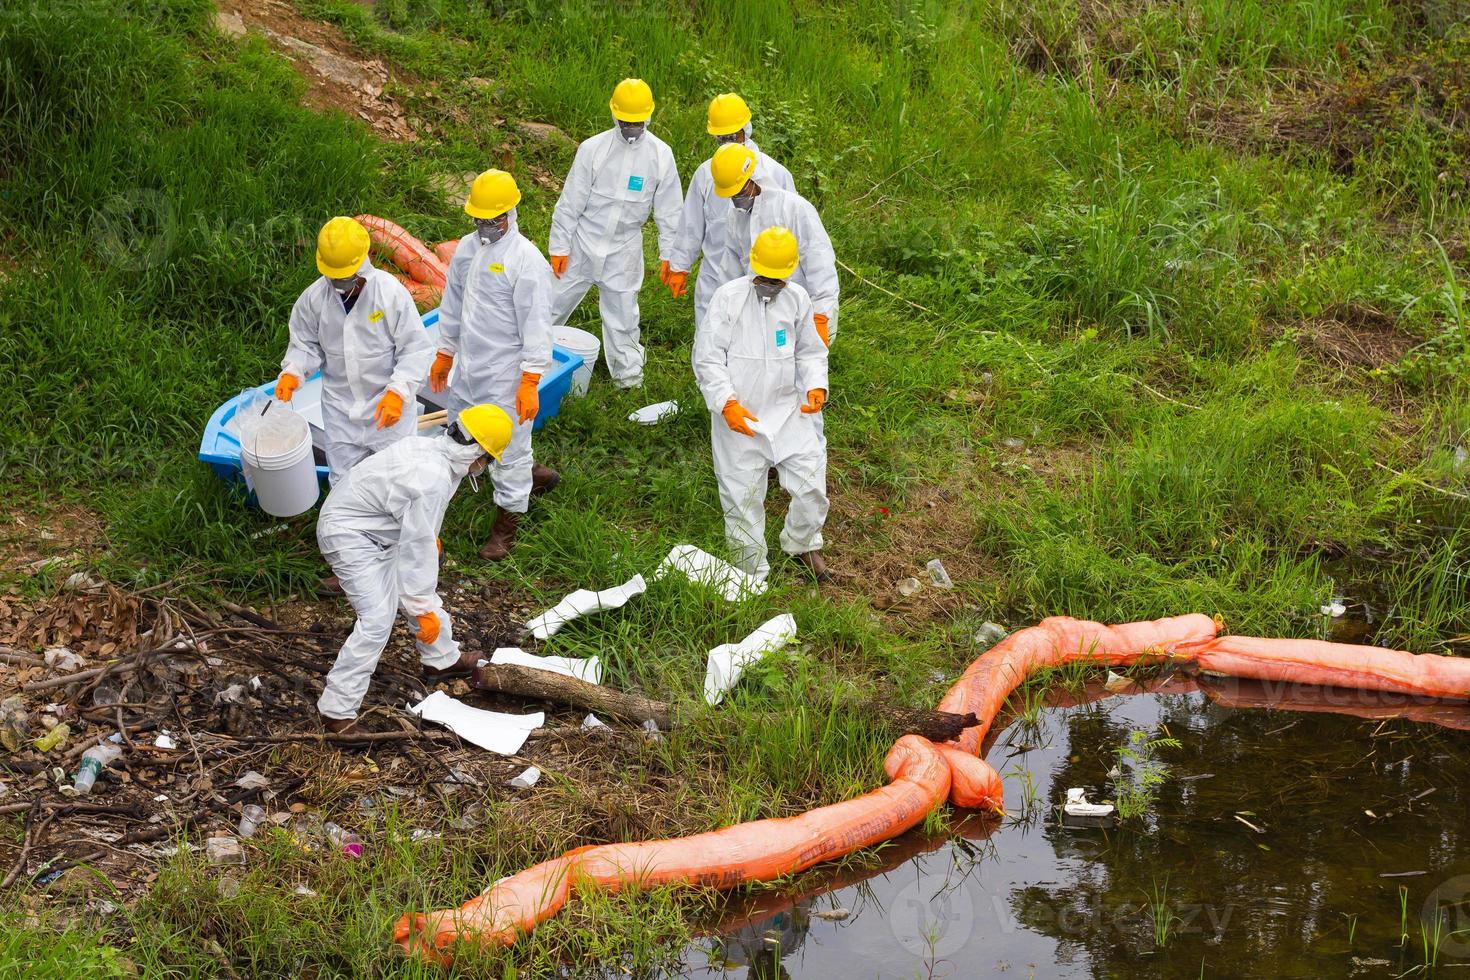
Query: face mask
{"points": [[492, 230], [347, 286], [745, 200], [736, 137], [632, 132], [768, 289]]}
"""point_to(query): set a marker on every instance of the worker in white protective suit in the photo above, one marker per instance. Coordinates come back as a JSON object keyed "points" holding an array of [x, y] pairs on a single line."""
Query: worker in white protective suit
{"points": [[756, 207], [359, 326], [495, 321], [618, 177], [762, 369], [702, 225], [379, 531]]}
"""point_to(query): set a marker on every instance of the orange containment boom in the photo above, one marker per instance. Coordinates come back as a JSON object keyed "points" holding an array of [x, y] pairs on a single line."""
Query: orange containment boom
{"points": [[412, 256], [923, 775]]}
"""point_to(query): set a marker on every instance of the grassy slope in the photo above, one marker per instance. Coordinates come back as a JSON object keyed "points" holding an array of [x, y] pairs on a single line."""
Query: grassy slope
{"points": [[1045, 255]]}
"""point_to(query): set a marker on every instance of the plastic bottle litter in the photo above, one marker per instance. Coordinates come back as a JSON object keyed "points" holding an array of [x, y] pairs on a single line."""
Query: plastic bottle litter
{"points": [[344, 840], [251, 817], [989, 634], [909, 586], [94, 760], [221, 851], [15, 724], [1077, 805], [53, 739], [526, 779], [938, 575]]}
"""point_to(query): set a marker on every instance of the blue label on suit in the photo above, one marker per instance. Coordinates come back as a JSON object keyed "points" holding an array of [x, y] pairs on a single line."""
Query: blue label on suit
{"points": [[635, 183], [781, 337]]}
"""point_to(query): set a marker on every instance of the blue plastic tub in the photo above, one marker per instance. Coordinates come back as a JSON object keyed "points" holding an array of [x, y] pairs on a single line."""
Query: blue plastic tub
{"points": [[221, 451]]}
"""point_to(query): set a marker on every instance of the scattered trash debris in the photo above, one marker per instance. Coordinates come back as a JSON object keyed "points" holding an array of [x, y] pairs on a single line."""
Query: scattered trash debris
{"points": [[252, 780], [15, 724], [503, 734], [344, 841], [165, 740], [938, 575], [251, 816], [1116, 682], [1077, 805], [63, 659], [909, 586], [526, 779], [594, 724], [650, 727], [705, 569], [94, 760], [1259, 830], [421, 834], [655, 413], [584, 602], [832, 915], [54, 739], [304, 892], [1011, 442], [1334, 609], [989, 634], [728, 660], [230, 695], [221, 851], [589, 669]]}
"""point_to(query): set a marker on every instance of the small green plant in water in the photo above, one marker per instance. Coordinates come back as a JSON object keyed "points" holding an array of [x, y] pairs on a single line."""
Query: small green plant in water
{"points": [[1138, 774], [1163, 916]]}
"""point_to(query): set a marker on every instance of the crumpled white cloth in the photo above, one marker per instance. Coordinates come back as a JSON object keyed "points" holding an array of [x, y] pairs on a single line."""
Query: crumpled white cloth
{"points": [[655, 413], [583, 602], [728, 660], [501, 733], [589, 670], [702, 567]]}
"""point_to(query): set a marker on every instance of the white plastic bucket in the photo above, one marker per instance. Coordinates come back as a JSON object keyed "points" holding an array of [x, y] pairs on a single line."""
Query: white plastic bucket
{"points": [[579, 342], [281, 471]]}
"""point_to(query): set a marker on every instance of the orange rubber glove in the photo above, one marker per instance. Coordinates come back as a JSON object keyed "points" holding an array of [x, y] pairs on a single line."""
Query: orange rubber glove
{"points": [[390, 410], [663, 271], [675, 282], [815, 399], [821, 320], [528, 399], [286, 386], [735, 416], [439, 373], [428, 628], [558, 265]]}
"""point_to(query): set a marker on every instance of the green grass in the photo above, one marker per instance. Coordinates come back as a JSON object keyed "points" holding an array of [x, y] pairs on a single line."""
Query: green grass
{"points": [[1045, 245]]}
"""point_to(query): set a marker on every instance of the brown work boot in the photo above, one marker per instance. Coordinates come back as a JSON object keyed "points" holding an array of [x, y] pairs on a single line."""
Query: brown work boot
{"points": [[815, 565], [543, 479], [339, 726], [463, 667], [502, 536], [329, 587]]}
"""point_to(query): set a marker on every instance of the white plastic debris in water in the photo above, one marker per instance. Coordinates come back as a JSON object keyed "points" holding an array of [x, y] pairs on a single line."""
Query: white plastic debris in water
{"points": [[1077, 805], [497, 732], [1335, 608], [592, 723], [655, 413], [63, 659], [728, 660], [938, 574], [588, 669], [1116, 683], [584, 602], [526, 779], [704, 568]]}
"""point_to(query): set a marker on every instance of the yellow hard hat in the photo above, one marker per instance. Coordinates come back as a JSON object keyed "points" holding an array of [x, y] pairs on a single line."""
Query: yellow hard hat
{"points": [[492, 194], [490, 427], [632, 100], [774, 253], [341, 246], [732, 165], [728, 114]]}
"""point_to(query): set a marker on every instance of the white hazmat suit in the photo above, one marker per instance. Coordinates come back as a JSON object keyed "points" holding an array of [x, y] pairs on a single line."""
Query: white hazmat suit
{"points": [[496, 320], [378, 530], [702, 229], [380, 346], [598, 223], [767, 356], [817, 273]]}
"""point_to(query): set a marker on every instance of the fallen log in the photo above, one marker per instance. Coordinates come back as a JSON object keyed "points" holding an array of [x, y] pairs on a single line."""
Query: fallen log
{"points": [[544, 685]]}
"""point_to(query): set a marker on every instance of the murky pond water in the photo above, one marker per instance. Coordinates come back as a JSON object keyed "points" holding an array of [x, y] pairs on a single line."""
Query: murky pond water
{"points": [[1284, 843]]}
